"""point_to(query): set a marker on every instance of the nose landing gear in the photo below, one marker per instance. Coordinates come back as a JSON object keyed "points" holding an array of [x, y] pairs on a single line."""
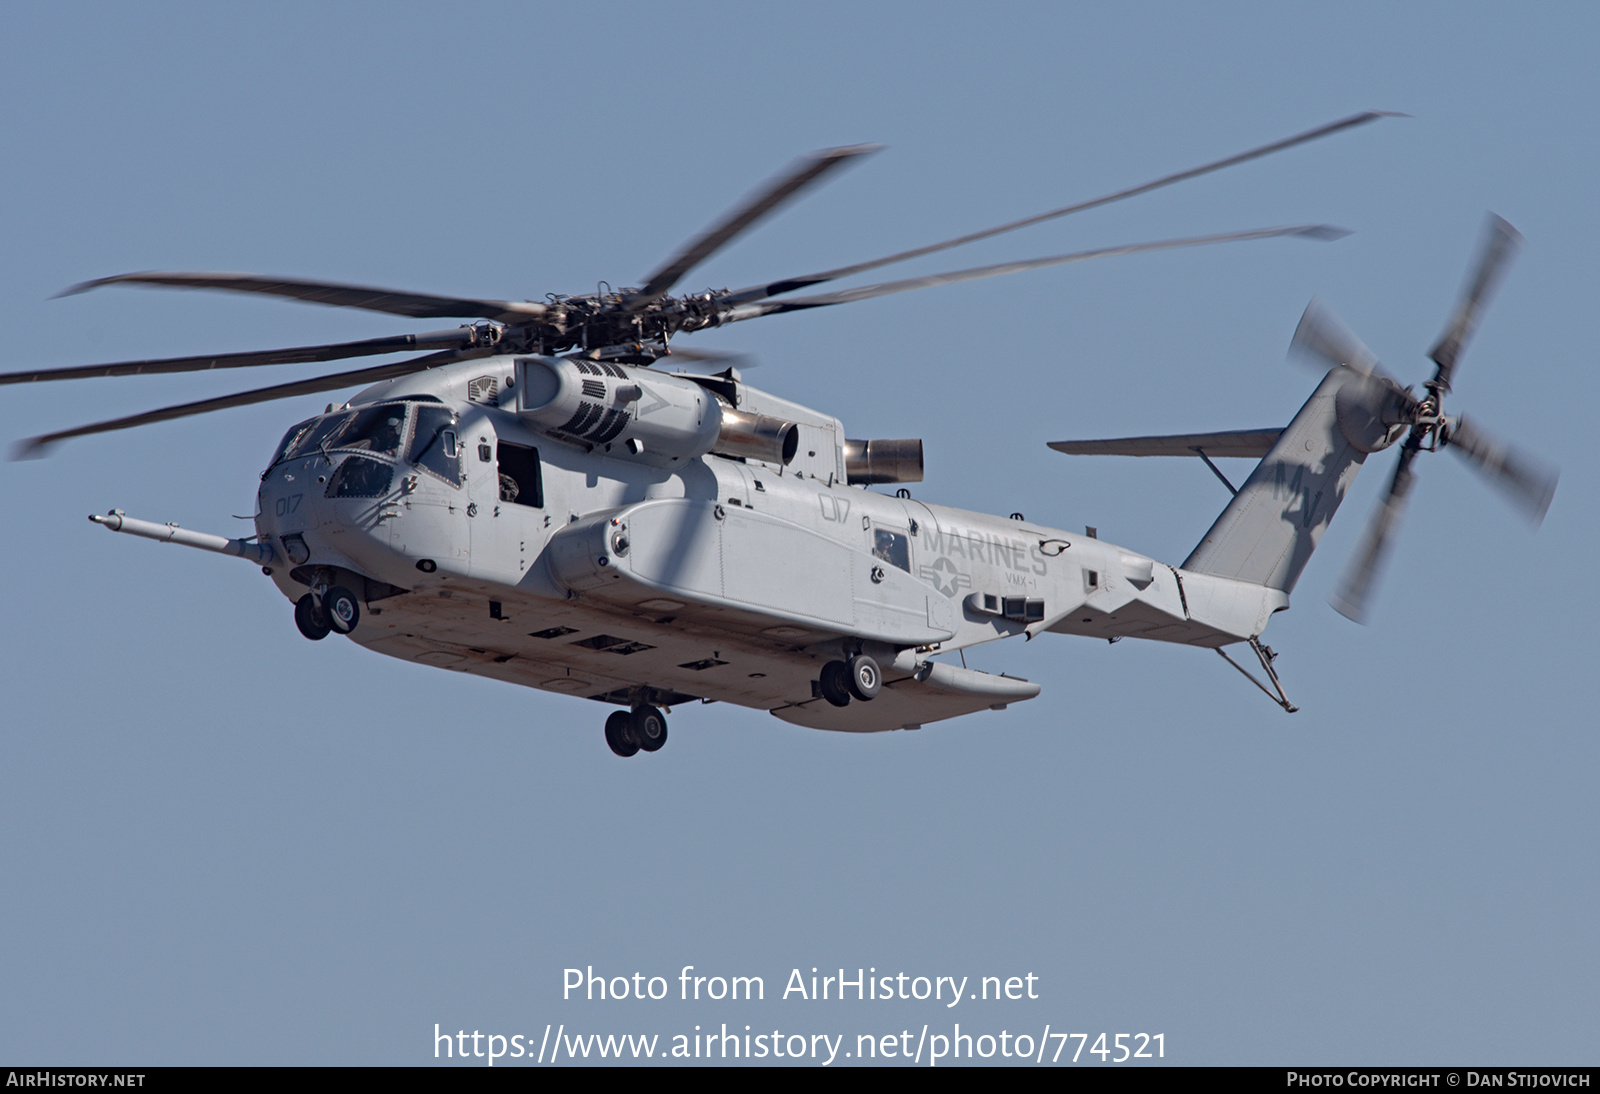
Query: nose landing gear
{"points": [[309, 618], [342, 609], [339, 611], [642, 729]]}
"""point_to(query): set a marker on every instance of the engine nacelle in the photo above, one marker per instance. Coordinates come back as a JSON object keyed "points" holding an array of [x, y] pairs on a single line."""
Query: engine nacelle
{"points": [[654, 417], [658, 418]]}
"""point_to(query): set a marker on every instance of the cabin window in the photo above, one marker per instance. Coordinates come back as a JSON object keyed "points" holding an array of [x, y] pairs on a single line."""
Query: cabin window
{"points": [[360, 477], [433, 444], [891, 547], [521, 480]]}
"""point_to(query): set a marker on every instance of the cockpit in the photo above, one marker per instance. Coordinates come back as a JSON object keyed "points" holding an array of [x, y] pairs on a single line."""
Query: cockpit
{"points": [[371, 439]]}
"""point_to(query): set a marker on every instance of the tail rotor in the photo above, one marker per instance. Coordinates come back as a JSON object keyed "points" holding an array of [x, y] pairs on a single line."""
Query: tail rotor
{"points": [[1527, 482]]}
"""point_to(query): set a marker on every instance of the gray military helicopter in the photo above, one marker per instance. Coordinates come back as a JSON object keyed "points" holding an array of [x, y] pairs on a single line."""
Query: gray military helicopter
{"points": [[537, 500]]}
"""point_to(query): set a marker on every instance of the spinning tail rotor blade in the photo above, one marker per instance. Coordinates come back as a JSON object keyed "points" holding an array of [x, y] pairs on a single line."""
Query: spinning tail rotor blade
{"points": [[1355, 590], [1524, 481], [1527, 483], [781, 189], [458, 338], [1322, 337], [776, 288], [1500, 245], [885, 288], [413, 305], [34, 447]]}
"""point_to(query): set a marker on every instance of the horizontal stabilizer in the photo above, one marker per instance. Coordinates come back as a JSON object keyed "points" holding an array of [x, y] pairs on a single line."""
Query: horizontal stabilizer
{"points": [[1248, 443]]}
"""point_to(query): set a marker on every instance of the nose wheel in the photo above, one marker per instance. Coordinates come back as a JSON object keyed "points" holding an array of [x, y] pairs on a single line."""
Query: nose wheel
{"points": [[341, 608], [640, 730], [339, 611], [309, 618]]}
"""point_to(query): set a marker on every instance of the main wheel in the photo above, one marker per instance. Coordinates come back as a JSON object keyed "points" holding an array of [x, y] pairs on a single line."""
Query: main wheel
{"points": [[865, 678], [309, 618], [649, 728], [835, 683], [619, 733], [342, 609]]}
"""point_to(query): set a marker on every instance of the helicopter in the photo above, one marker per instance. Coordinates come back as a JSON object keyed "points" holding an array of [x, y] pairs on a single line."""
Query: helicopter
{"points": [[537, 499]]}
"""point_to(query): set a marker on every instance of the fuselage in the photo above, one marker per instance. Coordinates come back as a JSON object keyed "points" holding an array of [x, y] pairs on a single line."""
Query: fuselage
{"points": [[485, 544]]}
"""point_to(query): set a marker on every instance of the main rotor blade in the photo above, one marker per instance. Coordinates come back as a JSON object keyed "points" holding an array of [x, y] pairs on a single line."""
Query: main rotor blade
{"points": [[34, 447], [458, 338], [1323, 337], [712, 358], [414, 305], [1246, 443], [1351, 598], [803, 174], [775, 288], [865, 292], [1529, 484], [1500, 245]]}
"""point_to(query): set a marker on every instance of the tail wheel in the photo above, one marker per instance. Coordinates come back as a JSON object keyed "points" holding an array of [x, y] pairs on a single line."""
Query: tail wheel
{"points": [[864, 678], [309, 618], [649, 728], [619, 733], [835, 683], [342, 609]]}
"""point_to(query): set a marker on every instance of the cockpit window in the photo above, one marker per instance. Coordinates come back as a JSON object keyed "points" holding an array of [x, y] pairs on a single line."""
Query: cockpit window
{"points": [[314, 439], [377, 429], [372, 429], [289, 439], [361, 477], [434, 446]]}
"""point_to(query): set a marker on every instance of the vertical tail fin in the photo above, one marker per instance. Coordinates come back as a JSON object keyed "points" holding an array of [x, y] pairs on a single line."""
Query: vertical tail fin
{"points": [[1267, 533]]}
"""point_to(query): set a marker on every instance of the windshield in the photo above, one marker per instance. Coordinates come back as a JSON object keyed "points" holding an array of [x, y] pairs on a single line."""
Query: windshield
{"points": [[376, 429], [372, 429], [289, 439]]}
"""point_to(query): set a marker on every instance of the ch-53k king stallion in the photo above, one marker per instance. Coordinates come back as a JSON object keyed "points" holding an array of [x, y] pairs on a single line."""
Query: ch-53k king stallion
{"points": [[536, 499]]}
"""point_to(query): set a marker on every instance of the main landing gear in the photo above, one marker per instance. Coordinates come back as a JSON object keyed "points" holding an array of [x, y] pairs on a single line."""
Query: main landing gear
{"points": [[858, 678], [338, 612], [641, 729]]}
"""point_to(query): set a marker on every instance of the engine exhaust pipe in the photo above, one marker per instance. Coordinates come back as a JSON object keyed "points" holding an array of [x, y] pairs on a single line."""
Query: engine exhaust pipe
{"points": [[867, 462], [757, 437]]}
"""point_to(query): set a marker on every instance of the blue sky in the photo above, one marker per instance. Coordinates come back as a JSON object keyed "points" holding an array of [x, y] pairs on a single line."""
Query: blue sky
{"points": [[225, 844]]}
